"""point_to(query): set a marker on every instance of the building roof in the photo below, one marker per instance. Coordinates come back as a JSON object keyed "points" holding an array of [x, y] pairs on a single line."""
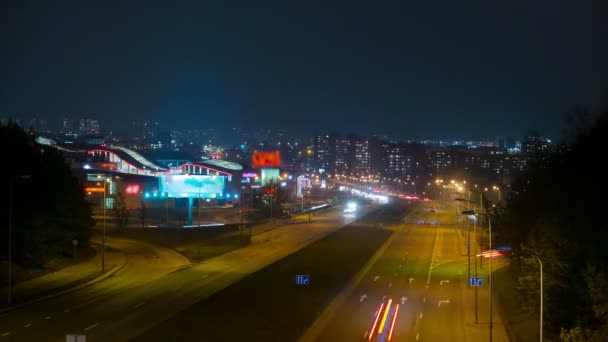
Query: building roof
{"points": [[222, 164]]}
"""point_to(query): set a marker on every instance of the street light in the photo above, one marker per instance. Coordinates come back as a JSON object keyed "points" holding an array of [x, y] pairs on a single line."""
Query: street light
{"points": [[494, 187], [103, 242], [472, 212], [540, 263], [10, 233]]}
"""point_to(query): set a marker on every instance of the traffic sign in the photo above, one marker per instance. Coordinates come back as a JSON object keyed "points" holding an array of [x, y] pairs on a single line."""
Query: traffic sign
{"points": [[302, 279], [476, 281]]}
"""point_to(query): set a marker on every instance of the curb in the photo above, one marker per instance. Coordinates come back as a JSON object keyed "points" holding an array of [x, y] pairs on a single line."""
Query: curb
{"points": [[313, 332], [102, 277]]}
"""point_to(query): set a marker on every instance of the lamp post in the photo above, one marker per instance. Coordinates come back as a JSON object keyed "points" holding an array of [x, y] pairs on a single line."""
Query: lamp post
{"points": [[494, 187], [540, 263], [472, 212], [10, 233], [103, 242]]}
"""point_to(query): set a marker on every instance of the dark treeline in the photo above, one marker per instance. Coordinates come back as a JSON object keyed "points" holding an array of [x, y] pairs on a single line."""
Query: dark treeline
{"points": [[49, 208], [558, 211]]}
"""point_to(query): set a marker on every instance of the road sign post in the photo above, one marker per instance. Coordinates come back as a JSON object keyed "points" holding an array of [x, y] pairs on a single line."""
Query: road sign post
{"points": [[475, 281], [302, 279]]}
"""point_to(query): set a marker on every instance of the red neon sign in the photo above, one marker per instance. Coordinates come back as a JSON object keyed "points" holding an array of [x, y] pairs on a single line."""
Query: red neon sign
{"points": [[266, 159], [132, 189]]}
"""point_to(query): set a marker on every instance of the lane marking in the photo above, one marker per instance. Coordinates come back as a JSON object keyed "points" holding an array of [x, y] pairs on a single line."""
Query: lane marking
{"points": [[411, 280], [403, 299], [376, 277], [27, 325], [417, 336], [441, 282], [91, 326], [66, 310], [363, 296], [390, 284], [428, 279], [445, 301], [365, 335], [48, 317], [6, 334], [424, 300], [390, 334], [385, 316], [421, 315]]}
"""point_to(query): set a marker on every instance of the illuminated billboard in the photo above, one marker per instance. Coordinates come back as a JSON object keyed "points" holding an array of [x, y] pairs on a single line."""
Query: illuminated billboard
{"points": [[266, 159], [192, 185], [270, 176]]}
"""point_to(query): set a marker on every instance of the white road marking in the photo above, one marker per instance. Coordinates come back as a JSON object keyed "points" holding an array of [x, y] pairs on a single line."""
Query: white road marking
{"points": [[363, 296], [376, 277], [421, 315], [417, 336], [66, 310], [428, 279], [91, 326], [411, 280], [444, 281], [403, 299], [424, 300], [390, 284], [445, 301], [138, 305], [6, 334], [366, 333], [27, 325], [48, 317]]}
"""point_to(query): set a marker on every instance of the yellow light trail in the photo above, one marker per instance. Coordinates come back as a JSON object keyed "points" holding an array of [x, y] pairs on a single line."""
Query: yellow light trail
{"points": [[388, 307]]}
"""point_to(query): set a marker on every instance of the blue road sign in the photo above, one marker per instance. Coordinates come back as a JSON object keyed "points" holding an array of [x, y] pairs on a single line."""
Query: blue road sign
{"points": [[302, 279], [476, 281]]}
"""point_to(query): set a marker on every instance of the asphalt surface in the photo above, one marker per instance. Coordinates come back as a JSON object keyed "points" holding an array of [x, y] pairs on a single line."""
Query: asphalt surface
{"points": [[156, 284], [423, 271]]}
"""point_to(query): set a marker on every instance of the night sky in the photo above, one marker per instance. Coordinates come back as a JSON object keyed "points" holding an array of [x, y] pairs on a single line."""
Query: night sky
{"points": [[414, 69]]}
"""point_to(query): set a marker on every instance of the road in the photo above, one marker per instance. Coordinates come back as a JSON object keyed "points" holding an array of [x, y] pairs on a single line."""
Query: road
{"points": [[421, 277], [156, 284]]}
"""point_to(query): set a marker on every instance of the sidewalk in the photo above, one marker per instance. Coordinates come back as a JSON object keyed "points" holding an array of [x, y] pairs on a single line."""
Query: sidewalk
{"points": [[64, 280]]}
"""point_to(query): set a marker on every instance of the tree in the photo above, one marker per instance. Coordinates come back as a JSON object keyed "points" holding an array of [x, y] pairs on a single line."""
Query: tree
{"points": [[49, 209], [556, 210]]}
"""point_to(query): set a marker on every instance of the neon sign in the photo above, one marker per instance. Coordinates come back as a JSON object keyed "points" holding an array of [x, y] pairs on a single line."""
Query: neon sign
{"points": [[266, 159]]}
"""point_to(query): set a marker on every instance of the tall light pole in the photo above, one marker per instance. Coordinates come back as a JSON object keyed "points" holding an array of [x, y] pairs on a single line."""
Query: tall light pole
{"points": [[103, 242], [490, 276], [471, 212], [10, 234], [498, 189], [540, 263]]}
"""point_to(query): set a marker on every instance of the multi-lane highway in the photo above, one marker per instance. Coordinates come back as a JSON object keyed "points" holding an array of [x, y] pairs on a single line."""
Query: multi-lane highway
{"points": [[153, 287], [416, 290]]}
